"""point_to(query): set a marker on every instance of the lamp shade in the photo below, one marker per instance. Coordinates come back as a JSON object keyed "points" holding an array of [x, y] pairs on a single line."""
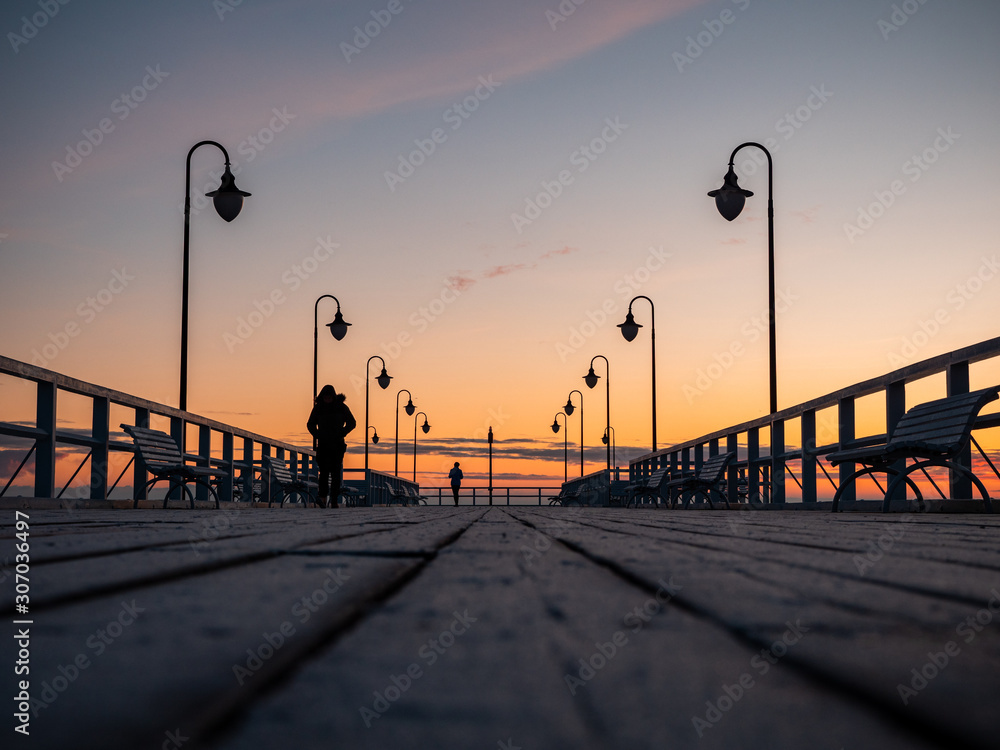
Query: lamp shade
{"points": [[604, 438], [630, 329], [591, 378], [375, 438], [555, 425], [338, 328], [228, 198], [409, 408], [425, 427], [569, 408], [730, 198], [383, 379]]}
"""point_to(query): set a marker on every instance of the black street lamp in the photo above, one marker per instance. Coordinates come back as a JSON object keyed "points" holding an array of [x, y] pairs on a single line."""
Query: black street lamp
{"points": [[375, 437], [338, 328], [591, 379], [228, 201], [569, 408], [604, 439], [426, 428], [555, 428], [383, 383], [410, 408], [489, 441], [630, 329], [730, 199]]}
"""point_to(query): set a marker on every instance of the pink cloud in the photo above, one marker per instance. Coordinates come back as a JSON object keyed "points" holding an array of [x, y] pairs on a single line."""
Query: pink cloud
{"points": [[565, 250], [808, 215], [492, 273], [460, 281], [733, 241]]}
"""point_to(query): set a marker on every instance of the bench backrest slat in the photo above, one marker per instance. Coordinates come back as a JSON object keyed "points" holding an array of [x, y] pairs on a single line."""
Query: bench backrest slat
{"points": [[944, 424], [154, 447], [713, 469]]}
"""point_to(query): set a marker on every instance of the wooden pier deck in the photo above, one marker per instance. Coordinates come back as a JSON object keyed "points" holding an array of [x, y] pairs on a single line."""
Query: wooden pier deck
{"points": [[507, 627]]}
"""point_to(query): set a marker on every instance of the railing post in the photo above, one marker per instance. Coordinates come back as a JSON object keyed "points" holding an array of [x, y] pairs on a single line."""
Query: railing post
{"points": [[100, 432], [204, 456], [753, 453], [777, 461], [958, 383], [845, 434], [227, 464], [45, 447], [138, 465], [808, 427], [732, 473], [895, 408], [473, 495], [265, 487], [247, 475]]}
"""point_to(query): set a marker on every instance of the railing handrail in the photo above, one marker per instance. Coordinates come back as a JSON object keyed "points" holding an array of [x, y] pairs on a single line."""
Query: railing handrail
{"points": [[917, 371], [28, 371]]}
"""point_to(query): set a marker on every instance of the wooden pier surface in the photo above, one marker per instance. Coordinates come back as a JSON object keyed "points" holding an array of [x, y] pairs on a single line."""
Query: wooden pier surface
{"points": [[506, 627]]}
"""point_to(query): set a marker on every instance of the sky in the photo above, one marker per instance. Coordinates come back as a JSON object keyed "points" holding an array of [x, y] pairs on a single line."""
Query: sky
{"points": [[484, 187]]}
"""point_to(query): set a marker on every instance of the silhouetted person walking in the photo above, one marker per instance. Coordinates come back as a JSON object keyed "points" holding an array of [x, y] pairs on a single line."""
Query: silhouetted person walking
{"points": [[330, 422], [455, 475]]}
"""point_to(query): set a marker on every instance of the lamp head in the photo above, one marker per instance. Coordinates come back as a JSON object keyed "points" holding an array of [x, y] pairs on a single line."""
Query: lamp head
{"points": [[375, 438], [228, 198], [338, 328], [604, 437], [383, 379], [409, 408], [630, 329], [425, 427], [730, 198], [555, 425], [591, 378], [569, 408]]}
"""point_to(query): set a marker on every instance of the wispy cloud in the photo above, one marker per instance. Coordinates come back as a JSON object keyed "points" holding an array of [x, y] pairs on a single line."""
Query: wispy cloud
{"points": [[808, 215], [492, 273]]}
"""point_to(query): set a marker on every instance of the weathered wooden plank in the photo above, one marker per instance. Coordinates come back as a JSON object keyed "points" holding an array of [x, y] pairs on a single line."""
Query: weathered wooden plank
{"points": [[502, 680], [168, 656], [161, 554], [868, 648]]}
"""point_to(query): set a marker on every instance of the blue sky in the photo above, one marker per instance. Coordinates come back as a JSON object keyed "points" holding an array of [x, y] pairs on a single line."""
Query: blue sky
{"points": [[496, 315]]}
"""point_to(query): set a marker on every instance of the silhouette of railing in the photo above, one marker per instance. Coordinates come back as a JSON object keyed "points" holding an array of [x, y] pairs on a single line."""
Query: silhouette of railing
{"points": [[750, 476], [241, 454], [472, 495]]}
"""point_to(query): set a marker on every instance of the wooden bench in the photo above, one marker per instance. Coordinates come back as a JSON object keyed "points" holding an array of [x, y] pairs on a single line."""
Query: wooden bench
{"points": [[566, 498], [288, 485], [705, 482], [406, 495], [160, 456], [651, 486], [353, 496], [931, 434]]}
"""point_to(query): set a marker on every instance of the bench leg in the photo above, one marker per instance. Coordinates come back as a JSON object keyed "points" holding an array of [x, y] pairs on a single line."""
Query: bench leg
{"points": [[951, 466]]}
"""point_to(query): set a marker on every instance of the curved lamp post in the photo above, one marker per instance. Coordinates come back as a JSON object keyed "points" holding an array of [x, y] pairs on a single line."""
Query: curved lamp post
{"points": [[630, 329], [338, 329], [604, 439], [591, 379], [555, 428], [569, 408], [426, 428], [383, 383], [730, 199], [410, 408], [228, 201]]}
